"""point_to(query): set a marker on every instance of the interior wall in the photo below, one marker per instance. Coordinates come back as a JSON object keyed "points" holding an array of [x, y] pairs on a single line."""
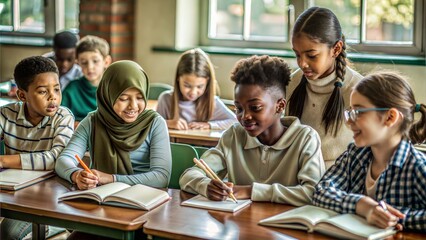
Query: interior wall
{"points": [[10, 55], [152, 30], [155, 26]]}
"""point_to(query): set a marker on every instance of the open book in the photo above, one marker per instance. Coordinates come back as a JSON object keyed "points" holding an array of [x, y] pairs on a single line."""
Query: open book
{"points": [[312, 218], [229, 205], [122, 195], [15, 179]]}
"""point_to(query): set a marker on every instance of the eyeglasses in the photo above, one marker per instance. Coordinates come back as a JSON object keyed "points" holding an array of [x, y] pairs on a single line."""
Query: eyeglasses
{"points": [[352, 114]]}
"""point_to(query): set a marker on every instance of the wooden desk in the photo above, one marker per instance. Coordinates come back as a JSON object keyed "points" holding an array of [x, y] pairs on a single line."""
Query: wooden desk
{"points": [[208, 138], [177, 222], [38, 204]]}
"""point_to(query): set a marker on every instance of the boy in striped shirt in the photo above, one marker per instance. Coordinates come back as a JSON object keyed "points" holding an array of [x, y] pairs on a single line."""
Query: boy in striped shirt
{"points": [[35, 129]]}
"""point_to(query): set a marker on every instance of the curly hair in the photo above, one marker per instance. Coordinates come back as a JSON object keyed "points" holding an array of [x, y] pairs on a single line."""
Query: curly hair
{"points": [[28, 68], [270, 73]]}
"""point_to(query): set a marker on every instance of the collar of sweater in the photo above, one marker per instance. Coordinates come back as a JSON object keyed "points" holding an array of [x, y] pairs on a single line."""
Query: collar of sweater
{"points": [[323, 85]]}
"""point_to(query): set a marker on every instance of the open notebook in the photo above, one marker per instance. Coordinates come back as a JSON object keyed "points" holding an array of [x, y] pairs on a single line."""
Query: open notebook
{"points": [[15, 179], [123, 195], [229, 205], [312, 218]]}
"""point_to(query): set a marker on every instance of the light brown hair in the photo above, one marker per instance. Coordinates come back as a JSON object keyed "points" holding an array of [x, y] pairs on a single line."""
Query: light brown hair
{"points": [[196, 61], [391, 90]]}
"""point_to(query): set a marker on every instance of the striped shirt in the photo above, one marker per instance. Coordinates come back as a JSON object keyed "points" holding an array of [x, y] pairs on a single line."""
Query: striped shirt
{"points": [[38, 146], [401, 184]]}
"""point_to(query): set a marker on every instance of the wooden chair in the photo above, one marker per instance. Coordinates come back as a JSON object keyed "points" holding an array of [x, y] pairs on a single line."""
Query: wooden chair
{"points": [[182, 158], [155, 89]]}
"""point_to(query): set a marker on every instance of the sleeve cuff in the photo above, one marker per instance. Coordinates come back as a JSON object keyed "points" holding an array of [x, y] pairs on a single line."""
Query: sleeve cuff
{"points": [[261, 192], [349, 203]]}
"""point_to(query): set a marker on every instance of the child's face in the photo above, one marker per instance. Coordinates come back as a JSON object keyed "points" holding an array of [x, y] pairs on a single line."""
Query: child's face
{"points": [[257, 111], [64, 59], [93, 65], [369, 128], [315, 59], [129, 105], [43, 97], [192, 87]]}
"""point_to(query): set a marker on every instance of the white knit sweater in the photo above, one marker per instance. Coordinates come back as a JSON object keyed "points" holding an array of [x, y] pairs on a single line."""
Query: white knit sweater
{"points": [[318, 93]]}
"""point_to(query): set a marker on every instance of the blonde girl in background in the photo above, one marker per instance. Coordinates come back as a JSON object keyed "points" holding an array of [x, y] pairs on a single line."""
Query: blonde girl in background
{"points": [[193, 103]]}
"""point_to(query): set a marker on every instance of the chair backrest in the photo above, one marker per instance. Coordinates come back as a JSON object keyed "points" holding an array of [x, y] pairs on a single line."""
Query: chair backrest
{"points": [[182, 158], [200, 150], [155, 89]]}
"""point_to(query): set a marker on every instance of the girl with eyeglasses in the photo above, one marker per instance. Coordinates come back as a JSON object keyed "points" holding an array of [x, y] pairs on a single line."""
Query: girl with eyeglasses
{"points": [[381, 165], [319, 90]]}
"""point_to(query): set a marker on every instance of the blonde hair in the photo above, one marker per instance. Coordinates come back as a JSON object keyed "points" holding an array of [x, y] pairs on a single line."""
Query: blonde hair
{"points": [[196, 61]]}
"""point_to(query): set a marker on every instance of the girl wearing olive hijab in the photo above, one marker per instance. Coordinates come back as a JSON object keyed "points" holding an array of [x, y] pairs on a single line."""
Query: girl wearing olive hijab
{"points": [[126, 142]]}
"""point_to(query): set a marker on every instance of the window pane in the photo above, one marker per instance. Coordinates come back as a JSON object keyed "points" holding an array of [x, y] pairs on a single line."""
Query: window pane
{"points": [[226, 19], [348, 12], [269, 20], [71, 14], [390, 20], [5, 13], [31, 16]]}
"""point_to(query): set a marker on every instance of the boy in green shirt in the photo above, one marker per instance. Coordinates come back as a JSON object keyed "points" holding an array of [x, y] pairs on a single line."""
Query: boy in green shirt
{"points": [[93, 57]]}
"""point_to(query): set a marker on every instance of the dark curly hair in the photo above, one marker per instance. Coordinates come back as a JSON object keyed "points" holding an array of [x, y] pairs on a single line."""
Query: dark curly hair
{"points": [[28, 68], [270, 73]]}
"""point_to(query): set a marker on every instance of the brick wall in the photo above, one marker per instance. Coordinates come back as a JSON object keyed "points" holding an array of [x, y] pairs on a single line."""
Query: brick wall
{"points": [[112, 20]]}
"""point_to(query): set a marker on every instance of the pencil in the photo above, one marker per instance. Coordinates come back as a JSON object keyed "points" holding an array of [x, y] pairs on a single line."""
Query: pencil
{"points": [[203, 165], [83, 164]]}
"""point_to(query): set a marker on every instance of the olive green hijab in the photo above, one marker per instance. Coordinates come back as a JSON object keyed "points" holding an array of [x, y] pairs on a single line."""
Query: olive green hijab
{"points": [[112, 138]]}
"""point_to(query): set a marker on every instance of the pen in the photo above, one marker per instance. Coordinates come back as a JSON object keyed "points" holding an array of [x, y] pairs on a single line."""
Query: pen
{"points": [[203, 165], [382, 204], [83, 164]]}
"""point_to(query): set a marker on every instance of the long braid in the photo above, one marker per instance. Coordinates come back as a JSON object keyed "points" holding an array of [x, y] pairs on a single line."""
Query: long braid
{"points": [[332, 117], [297, 99]]}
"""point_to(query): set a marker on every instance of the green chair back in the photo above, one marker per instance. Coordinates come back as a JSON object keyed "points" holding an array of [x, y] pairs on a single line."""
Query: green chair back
{"points": [[182, 158], [155, 89], [200, 150]]}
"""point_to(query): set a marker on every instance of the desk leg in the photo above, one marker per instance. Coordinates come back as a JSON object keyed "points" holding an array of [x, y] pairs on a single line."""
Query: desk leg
{"points": [[39, 231]]}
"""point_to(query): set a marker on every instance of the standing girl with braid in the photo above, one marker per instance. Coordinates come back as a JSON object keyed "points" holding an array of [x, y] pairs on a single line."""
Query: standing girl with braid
{"points": [[319, 91]]}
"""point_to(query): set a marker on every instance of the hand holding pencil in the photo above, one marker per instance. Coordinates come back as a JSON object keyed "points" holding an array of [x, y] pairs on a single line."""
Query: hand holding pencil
{"points": [[83, 179], [211, 174]]}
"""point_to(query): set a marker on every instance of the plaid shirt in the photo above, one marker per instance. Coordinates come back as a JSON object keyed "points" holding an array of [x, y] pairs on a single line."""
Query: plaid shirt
{"points": [[402, 184]]}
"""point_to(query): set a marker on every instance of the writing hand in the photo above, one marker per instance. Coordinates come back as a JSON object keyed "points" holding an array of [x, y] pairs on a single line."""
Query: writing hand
{"points": [[85, 180], [219, 191]]}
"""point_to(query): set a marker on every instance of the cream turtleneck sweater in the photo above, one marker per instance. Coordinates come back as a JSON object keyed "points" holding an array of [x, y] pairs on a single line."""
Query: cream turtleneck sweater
{"points": [[318, 93]]}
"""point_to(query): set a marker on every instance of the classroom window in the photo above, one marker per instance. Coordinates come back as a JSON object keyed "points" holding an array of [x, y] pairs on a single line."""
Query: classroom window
{"points": [[387, 26], [37, 18]]}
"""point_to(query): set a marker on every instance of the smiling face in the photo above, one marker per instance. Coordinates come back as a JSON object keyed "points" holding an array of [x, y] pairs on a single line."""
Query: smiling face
{"points": [[314, 58], [42, 98], [129, 105], [258, 112], [93, 65], [192, 87], [369, 128]]}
